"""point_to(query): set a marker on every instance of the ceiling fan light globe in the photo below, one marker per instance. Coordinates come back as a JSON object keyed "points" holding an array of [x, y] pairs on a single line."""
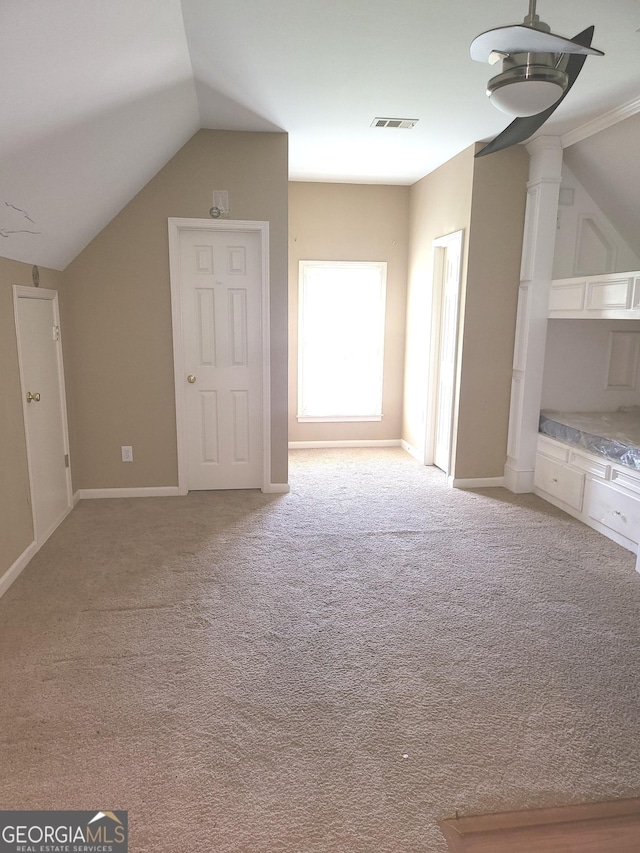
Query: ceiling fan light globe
{"points": [[527, 90]]}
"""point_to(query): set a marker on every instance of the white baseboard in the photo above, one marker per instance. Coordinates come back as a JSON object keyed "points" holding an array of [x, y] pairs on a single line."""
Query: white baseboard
{"points": [[41, 540], [144, 492], [13, 571], [157, 492], [412, 451], [276, 489], [310, 445], [519, 482], [480, 483]]}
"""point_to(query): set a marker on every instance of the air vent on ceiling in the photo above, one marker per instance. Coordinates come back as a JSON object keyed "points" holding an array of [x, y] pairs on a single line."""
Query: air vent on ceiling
{"points": [[401, 123]]}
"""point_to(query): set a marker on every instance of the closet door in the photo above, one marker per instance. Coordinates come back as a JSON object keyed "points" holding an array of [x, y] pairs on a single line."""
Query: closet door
{"points": [[44, 407]]}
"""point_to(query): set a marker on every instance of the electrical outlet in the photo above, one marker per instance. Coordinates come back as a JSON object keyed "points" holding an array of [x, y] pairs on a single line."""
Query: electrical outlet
{"points": [[127, 453]]}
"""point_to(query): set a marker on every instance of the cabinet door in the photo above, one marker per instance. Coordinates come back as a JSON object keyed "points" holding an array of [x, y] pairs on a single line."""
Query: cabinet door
{"points": [[558, 480], [618, 511], [614, 293]]}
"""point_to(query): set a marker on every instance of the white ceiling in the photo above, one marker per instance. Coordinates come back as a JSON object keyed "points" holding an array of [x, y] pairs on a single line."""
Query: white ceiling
{"points": [[97, 96]]}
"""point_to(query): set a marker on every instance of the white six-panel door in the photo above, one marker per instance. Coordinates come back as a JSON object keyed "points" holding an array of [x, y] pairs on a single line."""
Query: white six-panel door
{"points": [[44, 406], [220, 274]]}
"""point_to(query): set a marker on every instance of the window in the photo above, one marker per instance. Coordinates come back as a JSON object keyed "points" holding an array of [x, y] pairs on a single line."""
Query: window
{"points": [[341, 340]]}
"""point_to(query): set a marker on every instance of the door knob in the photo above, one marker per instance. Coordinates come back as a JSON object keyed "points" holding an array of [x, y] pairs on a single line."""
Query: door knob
{"points": [[34, 397], [191, 378]]}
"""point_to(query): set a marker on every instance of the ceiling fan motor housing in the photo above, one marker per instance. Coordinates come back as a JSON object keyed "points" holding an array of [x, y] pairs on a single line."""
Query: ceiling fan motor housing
{"points": [[528, 83]]}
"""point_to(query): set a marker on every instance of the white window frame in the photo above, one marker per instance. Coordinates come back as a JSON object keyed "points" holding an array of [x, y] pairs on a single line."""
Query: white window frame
{"points": [[377, 414]]}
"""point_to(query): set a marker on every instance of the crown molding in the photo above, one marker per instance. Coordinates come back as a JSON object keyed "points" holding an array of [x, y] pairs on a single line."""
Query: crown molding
{"points": [[602, 122]]}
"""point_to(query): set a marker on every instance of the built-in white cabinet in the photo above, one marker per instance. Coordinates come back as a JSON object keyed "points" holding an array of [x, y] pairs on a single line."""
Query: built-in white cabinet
{"points": [[559, 480], [614, 508], [602, 494], [614, 296]]}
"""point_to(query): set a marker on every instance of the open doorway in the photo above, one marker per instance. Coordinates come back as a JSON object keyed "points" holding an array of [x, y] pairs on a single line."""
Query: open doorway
{"points": [[442, 395]]}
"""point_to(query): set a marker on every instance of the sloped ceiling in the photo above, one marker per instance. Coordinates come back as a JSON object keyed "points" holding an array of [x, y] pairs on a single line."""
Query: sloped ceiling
{"points": [[607, 165], [96, 97]]}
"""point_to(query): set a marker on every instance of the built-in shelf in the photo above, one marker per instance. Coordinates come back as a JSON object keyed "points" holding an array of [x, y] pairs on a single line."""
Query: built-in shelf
{"points": [[613, 296]]}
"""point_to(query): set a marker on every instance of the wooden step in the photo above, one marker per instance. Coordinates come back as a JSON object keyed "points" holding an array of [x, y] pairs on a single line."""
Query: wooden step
{"points": [[611, 827]]}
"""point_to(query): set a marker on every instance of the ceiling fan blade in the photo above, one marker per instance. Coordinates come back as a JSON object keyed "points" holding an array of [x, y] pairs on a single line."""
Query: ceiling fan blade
{"points": [[522, 39], [522, 128]]}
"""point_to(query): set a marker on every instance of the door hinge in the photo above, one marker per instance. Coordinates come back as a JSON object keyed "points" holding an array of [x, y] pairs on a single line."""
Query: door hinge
{"points": [[56, 333], [66, 460]]}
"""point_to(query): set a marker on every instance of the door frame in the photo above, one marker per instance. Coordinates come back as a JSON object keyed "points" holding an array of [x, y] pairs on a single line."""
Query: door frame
{"points": [[176, 227], [440, 247], [22, 292]]}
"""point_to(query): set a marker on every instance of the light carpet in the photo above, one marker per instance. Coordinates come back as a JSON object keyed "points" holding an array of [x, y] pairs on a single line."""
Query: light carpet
{"points": [[328, 671]]}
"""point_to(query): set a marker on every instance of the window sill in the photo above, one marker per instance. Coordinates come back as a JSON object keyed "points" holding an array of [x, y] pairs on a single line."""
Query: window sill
{"points": [[329, 419]]}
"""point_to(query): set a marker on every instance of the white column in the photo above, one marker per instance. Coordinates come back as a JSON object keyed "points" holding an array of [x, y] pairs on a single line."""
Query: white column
{"points": [[545, 174]]}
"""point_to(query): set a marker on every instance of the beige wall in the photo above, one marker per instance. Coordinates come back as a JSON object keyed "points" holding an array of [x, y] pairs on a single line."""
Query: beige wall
{"points": [[16, 528], [351, 222], [485, 197], [116, 315], [491, 299], [118, 311], [440, 205]]}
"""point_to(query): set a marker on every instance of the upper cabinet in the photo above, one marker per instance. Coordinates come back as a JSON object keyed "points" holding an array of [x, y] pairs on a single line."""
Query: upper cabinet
{"points": [[613, 296]]}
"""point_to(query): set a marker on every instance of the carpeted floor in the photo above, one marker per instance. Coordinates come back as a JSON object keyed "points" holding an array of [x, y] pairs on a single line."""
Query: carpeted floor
{"points": [[329, 671]]}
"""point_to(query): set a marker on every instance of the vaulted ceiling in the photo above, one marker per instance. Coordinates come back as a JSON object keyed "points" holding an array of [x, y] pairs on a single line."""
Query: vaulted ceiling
{"points": [[97, 96]]}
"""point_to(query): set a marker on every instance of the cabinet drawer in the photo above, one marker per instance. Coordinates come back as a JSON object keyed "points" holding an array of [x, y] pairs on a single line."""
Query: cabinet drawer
{"points": [[556, 479], [628, 480], [590, 465], [616, 510], [553, 448]]}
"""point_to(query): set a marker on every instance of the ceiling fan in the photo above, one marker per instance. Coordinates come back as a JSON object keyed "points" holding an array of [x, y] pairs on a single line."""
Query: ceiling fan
{"points": [[538, 70]]}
